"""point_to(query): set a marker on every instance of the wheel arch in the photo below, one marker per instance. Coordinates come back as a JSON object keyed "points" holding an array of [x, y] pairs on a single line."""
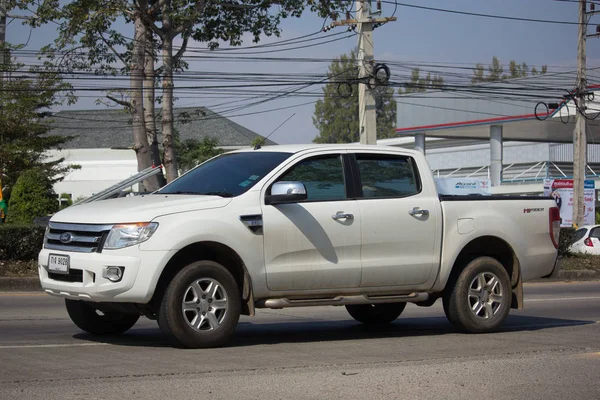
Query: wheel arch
{"points": [[500, 250], [209, 251]]}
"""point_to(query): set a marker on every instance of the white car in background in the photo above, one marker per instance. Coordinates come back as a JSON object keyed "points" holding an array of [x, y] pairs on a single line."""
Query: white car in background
{"points": [[587, 240]]}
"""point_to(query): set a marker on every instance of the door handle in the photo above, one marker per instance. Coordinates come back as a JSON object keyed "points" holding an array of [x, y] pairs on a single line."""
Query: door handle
{"points": [[417, 212], [342, 215]]}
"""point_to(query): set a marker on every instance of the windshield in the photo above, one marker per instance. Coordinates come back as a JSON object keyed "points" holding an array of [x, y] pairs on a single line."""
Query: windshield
{"points": [[228, 175]]}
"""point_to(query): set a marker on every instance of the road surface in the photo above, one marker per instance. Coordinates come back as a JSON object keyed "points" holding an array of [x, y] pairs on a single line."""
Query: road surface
{"points": [[549, 350]]}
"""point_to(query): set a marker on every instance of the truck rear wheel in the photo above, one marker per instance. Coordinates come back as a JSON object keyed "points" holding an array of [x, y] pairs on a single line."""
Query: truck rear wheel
{"points": [[374, 314], [480, 299], [91, 320], [201, 306]]}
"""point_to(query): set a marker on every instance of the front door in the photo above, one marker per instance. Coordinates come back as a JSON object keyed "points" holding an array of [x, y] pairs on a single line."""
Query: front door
{"points": [[314, 244], [401, 222]]}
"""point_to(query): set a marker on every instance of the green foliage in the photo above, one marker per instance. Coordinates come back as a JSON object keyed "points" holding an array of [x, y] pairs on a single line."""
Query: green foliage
{"points": [[496, 71], [336, 117], [20, 242], [257, 140], [420, 84], [89, 37], [193, 152], [565, 241], [65, 201], [24, 105], [32, 197]]}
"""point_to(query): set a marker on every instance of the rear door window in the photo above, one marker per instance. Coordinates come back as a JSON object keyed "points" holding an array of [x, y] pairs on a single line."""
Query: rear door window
{"points": [[387, 176], [580, 234]]}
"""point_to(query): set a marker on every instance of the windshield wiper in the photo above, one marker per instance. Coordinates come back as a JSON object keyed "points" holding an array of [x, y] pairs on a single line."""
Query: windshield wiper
{"points": [[183, 192], [220, 194]]}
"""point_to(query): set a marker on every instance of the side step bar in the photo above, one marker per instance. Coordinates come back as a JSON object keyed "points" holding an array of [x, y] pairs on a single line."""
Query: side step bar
{"points": [[342, 300]]}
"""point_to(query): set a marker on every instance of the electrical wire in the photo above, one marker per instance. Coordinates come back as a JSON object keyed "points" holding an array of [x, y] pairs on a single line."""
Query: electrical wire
{"points": [[480, 14]]}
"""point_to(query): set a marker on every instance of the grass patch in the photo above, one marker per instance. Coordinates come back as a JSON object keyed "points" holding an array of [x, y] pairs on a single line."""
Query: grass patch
{"points": [[580, 261], [16, 268]]}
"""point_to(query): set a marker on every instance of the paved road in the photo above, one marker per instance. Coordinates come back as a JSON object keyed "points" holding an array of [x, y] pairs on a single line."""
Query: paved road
{"points": [[550, 350]]}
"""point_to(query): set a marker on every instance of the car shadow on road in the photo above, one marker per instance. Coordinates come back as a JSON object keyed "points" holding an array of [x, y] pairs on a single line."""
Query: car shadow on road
{"points": [[306, 331]]}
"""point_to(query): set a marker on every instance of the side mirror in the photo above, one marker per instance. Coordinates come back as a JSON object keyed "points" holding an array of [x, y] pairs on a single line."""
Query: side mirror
{"points": [[286, 192]]}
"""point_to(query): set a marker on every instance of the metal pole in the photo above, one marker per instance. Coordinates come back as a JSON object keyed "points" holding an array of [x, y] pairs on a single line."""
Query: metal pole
{"points": [[3, 59], [367, 114], [580, 140]]}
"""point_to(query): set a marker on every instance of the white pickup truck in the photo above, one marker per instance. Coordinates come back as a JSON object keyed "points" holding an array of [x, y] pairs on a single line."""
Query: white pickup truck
{"points": [[296, 226]]}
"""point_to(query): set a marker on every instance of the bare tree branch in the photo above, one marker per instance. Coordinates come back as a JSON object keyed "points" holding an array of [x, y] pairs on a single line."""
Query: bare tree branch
{"points": [[120, 102], [111, 47], [142, 6], [181, 50]]}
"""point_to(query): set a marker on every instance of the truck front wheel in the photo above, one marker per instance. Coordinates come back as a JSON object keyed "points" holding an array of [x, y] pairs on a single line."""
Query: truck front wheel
{"points": [[375, 314], [91, 320], [201, 306], [480, 299]]}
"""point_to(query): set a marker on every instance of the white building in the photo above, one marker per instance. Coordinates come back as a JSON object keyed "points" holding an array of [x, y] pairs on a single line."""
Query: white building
{"points": [[102, 144], [494, 131]]}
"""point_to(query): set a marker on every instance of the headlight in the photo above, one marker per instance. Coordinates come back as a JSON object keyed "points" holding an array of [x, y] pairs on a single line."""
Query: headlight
{"points": [[126, 235]]}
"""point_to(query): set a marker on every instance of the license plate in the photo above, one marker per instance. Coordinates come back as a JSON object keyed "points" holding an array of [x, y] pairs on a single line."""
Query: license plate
{"points": [[58, 264]]}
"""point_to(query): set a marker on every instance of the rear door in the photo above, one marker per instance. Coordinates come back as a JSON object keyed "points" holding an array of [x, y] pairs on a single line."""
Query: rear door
{"points": [[314, 244], [401, 221]]}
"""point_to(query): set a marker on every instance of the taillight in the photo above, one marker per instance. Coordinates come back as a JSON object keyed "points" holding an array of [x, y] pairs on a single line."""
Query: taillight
{"points": [[588, 242], [554, 217]]}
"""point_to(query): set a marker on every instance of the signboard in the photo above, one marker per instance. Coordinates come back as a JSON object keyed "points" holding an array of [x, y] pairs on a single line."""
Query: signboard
{"points": [[462, 186], [2, 206], [562, 192]]}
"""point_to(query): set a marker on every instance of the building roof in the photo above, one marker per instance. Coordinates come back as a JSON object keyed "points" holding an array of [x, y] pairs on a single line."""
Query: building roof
{"points": [[111, 128]]}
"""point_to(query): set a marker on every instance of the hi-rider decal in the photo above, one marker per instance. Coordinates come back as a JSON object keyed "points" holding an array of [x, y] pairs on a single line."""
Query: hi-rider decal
{"points": [[532, 210]]}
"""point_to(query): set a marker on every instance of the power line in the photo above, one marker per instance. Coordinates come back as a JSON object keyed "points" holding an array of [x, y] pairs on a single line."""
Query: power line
{"points": [[480, 14]]}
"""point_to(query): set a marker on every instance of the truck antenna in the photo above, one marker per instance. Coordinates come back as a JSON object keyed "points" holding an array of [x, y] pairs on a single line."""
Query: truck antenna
{"points": [[258, 145]]}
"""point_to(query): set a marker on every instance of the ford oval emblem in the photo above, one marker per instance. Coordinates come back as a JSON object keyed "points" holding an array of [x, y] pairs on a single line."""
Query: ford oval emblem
{"points": [[66, 238]]}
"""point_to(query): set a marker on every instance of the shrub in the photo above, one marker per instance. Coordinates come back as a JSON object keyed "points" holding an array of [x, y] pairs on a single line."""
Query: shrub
{"points": [[20, 242], [31, 197], [65, 201], [565, 241]]}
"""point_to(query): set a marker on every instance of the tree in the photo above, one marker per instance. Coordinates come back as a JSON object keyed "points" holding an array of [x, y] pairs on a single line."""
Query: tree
{"points": [[204, 21], [87, 41], [496, 71], [418, 84], [26, 96], [336, 116], [32, 197], [192, 152]]}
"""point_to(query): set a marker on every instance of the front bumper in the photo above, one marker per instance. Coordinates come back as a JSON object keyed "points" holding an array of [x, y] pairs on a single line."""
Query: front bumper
{"points": [[141, 272]]}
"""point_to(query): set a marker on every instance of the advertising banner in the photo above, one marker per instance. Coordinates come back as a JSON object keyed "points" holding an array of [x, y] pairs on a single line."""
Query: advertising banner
{"points": [[462, 186], [2, 206], [562, 192]]}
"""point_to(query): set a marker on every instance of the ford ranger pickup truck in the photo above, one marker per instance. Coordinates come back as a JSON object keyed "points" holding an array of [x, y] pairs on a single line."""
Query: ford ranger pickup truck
{"points": [[296, 226]]}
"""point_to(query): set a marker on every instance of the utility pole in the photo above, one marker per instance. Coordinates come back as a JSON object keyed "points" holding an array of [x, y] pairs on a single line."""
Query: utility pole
{"points": [[3, 55], [367, 112], [580, 134]]}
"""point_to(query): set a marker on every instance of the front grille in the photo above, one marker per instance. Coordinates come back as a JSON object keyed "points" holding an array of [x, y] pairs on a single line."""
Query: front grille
{"points": [[74, 275], [81, 238]]}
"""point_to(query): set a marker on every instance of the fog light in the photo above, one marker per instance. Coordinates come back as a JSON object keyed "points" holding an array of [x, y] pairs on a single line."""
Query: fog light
{"points": [[113, 274]]}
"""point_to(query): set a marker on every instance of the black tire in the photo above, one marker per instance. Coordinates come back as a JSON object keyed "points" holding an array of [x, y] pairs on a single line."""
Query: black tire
{"points": [[485, 308], [176, 325], [375, 314], [90, 320]]}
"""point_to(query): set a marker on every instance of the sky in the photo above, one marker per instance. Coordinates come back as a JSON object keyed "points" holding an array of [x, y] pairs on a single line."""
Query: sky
{"points": [[418, 37]]}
